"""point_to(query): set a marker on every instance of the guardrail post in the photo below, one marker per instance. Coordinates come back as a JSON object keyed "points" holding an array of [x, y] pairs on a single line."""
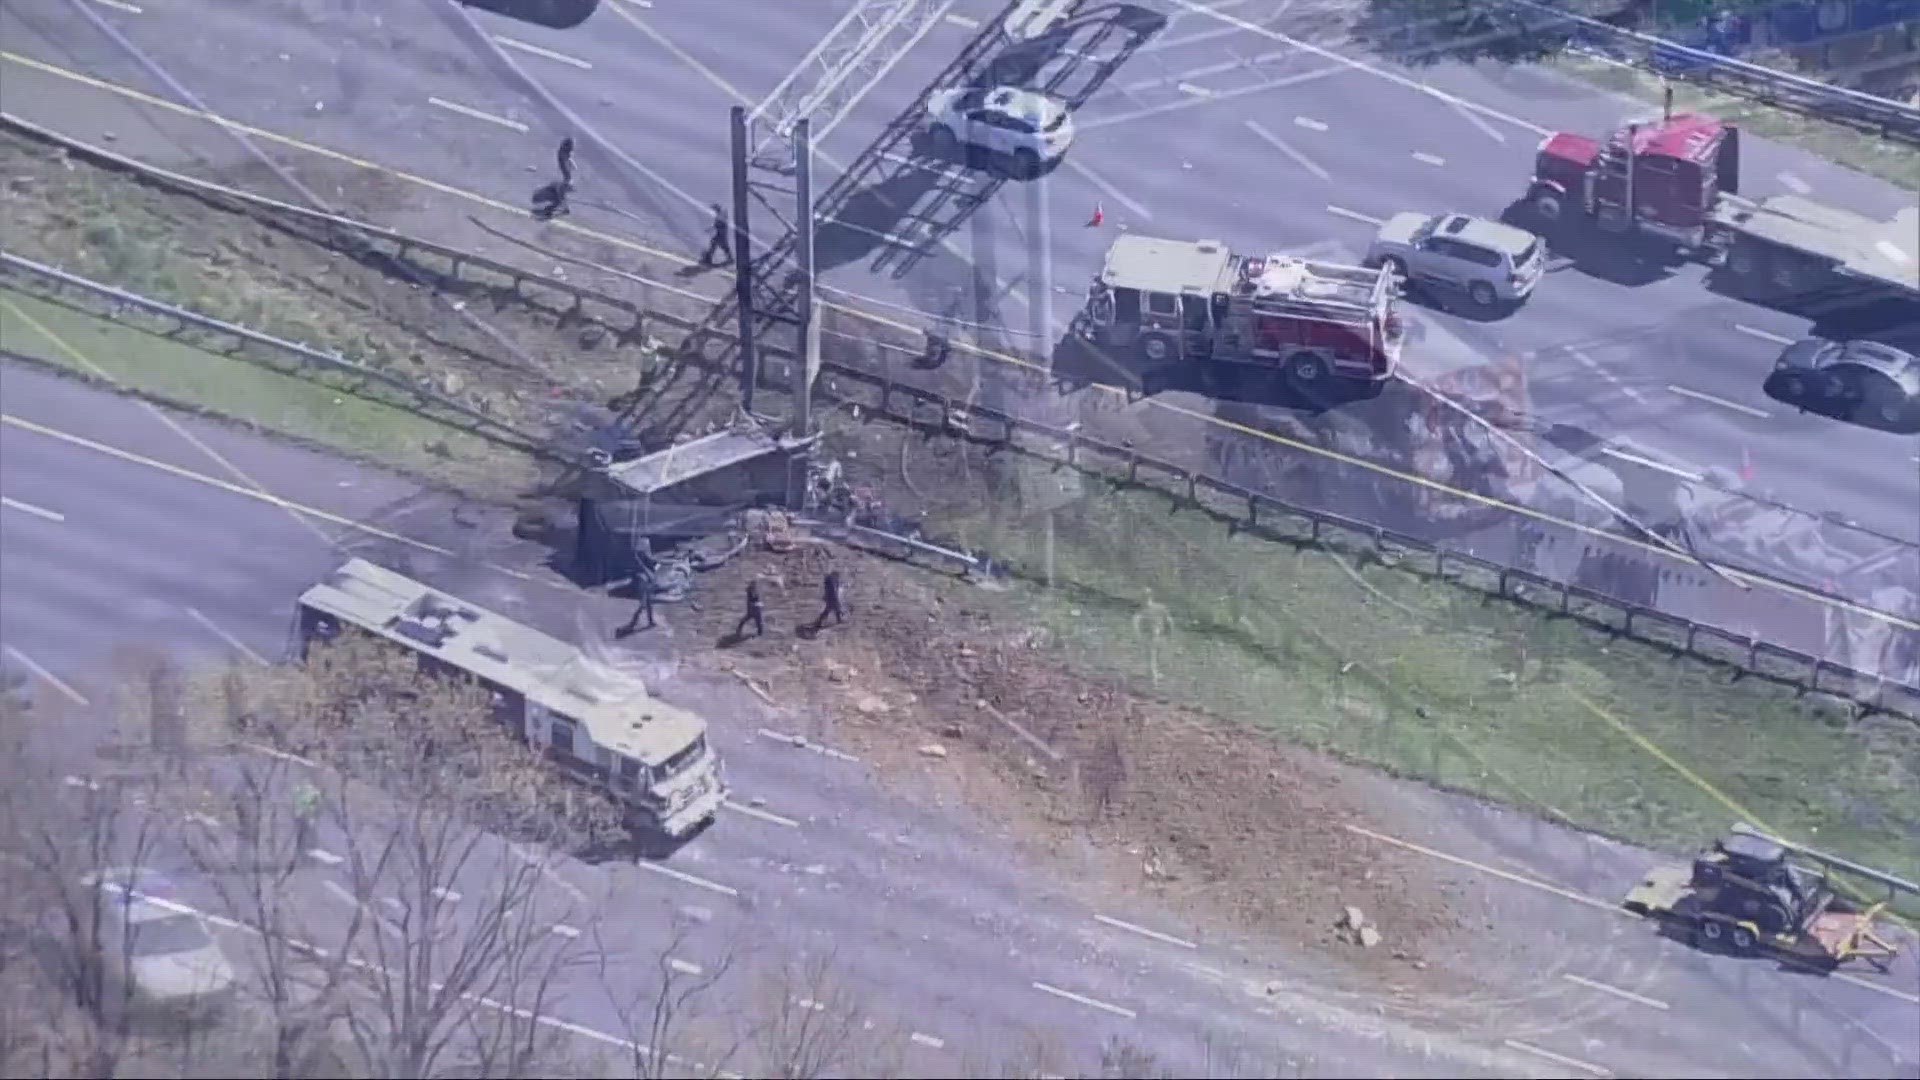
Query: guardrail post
{"points": [[1313, 529], [1753, 653], [1133, 467], [1628, 629], [1193, 489], [1073, 446], [1692, 630], [1503, 584], [1566, 599], [1253, 510], [1439, 562]]}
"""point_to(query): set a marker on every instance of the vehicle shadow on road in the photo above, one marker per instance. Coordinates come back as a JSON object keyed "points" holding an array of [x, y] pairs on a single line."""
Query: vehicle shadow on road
{"points": [[1621, 260], [1078, 364]]}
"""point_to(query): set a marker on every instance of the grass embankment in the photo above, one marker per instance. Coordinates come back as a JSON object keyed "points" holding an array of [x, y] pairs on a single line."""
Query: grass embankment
{"points": [[161, 368], [1431, 680]]}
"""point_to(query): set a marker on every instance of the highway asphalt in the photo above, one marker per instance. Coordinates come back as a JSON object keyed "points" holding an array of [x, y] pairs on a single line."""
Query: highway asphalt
{"points": [[1660, 371], [929, 912]]}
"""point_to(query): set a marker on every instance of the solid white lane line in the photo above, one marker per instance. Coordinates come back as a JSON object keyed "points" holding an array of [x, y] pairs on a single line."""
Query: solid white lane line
{"points": [[1720, 401], [963, 22], [1144, 932], [535, 50], [1795, 184], [1628, 995], [122, 5], [927, 1040], [1219, 95], [1428, 159], [1355, 215], [1280, 144], [1458, 106], [1309, 123], [1562, 1059], [1091, 1003], [1109, 190], [465, 110], [46, 676], [684, 967], [1763, 335], [696, 882], [237, 645], [29, 508], [763, 815], [1636, 459], [1504, 875]]}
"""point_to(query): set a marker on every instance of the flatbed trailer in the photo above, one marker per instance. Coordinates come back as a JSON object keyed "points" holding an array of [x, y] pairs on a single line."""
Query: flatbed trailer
{"points": [[1795, 242], [1720, 902]]}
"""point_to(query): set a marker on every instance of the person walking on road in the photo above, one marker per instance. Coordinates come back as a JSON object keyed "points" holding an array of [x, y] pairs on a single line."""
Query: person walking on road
{"points": [[830, 592], [719, 247], [550, 201], [306, 807], [754, 615]]}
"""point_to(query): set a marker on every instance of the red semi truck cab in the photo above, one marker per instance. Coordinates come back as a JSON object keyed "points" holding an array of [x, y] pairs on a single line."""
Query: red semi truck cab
{"points": [[1670, 171]]}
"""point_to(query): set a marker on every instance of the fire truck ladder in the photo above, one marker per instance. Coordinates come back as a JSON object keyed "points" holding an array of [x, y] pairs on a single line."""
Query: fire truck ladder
{"points": [[957, 190]]}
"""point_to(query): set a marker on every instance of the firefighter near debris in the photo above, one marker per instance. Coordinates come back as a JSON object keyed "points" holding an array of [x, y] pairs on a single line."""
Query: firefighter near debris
{"points": [[643, 596], [831, 597], [550, 200], [1154, 623], [755, 615]]}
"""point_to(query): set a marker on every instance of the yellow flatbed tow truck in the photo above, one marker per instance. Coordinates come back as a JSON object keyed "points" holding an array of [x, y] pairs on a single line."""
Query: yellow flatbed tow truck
{"points": [[1746, 896]]}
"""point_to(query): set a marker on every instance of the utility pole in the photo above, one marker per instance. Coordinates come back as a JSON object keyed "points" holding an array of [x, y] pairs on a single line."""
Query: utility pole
{"points": [[809, 368], [743, 261]]}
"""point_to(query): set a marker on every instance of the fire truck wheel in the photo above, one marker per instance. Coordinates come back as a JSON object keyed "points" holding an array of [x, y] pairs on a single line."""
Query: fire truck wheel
{"points": [[1157, 348], [1306, 369], [945, 142], [1741, 938]]}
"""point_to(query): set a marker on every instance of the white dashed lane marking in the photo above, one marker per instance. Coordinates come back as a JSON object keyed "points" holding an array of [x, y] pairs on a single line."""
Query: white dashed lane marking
{"points": [[928, 1040], [1428, 159], [321, 855], [1309, 123], [1281, 145], [963, 22], [1354, 215], [1082, 999], [1144, 932], [29, 508], [1763, 335], [1720, 401], [1625, 995], [122, 5], [45, 676], [565, 931], [467, 110], [1561, 1059], [1795, 184], [234, 643], [534, 50], [684, 967], [1193, 90], [1636, 459], [689, 879], [763, 815]]}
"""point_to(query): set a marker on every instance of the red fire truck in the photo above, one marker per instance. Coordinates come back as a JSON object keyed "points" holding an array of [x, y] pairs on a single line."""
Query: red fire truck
{"points": [[1677, 177], [1195, 302]]}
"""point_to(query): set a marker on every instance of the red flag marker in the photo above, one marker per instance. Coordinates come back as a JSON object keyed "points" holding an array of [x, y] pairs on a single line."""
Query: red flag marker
{"points": [[1099, 215]]}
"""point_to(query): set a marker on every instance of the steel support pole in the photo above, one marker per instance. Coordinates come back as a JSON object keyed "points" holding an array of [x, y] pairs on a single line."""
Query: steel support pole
{"points": [[809, 367], [743, 261]]}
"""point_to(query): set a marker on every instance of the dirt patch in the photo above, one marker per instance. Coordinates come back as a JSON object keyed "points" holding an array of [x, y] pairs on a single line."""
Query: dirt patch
{"points": [[937, 683]]}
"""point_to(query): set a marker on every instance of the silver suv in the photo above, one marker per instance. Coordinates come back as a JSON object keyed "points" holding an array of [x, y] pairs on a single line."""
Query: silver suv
{"points": [[1492, 263]]}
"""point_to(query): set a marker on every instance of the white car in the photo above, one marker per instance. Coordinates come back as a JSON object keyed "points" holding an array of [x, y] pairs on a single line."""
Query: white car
{"points": [[1491, 262], [157, 953], [1026, 127]]}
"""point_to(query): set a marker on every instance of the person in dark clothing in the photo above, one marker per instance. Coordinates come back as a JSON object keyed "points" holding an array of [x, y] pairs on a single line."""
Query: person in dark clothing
{"points": [[830, 592], [643, 591], [550, 201], [720, 247], [754, 615]]}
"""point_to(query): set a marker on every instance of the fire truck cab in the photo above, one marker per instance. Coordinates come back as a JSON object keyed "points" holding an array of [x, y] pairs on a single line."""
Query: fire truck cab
{"points": [[1177, 301]]}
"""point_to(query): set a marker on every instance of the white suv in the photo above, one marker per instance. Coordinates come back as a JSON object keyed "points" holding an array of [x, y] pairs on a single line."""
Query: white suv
{"points": [[1491, 262], [1026, 127]]}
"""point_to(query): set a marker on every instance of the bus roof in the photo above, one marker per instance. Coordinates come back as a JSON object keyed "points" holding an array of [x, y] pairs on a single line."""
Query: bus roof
{"points": [[614, 708]]}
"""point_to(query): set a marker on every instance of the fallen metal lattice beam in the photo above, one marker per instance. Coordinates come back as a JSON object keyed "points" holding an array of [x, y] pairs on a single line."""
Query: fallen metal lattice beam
{"points": [[853, 56]]}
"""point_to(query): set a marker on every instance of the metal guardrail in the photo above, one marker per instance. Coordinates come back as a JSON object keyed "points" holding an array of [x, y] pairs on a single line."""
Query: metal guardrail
{"points": [[424, 400], [1242, 508], [1888, 118]]}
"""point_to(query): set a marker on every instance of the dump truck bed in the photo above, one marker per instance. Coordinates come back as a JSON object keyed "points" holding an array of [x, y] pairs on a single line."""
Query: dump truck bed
{"points": [[1885, 252]]}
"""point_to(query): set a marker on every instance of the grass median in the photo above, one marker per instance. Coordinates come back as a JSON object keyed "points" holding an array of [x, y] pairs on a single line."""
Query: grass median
{"points": [[1422, 677], [164, 369]]}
